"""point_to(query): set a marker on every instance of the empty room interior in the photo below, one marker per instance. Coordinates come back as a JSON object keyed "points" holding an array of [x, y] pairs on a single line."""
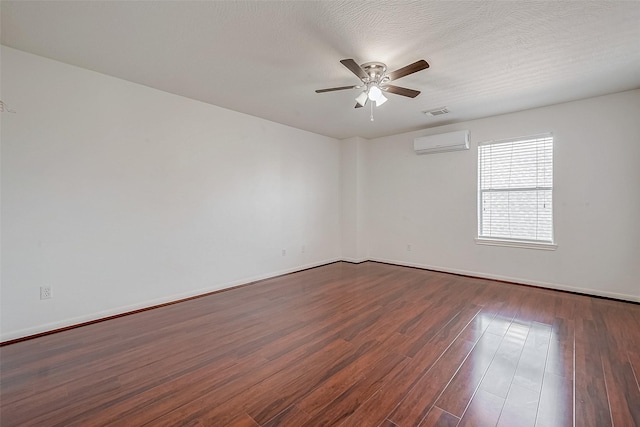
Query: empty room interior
{"points": [[322, 213]]}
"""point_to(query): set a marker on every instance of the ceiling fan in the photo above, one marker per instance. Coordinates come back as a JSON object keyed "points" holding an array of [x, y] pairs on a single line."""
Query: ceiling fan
{"points": [[375, 80]]}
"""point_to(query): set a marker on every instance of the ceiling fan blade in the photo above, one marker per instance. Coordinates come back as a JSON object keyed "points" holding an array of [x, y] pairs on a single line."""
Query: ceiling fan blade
{"points": [[355, 68], [331, 89], [401, 91], [409, 69]]}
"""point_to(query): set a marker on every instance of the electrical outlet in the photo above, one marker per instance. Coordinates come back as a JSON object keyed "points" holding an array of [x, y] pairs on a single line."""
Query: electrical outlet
{"points": [[45, 292], [284, 252], [409, 248]]}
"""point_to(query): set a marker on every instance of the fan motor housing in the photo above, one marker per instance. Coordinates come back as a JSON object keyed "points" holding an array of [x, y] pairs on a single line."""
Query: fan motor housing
{"points": [[375, 70]]}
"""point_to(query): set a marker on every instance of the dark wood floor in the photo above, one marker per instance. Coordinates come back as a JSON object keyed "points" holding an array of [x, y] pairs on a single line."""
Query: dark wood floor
{"points": [[353, 345]]}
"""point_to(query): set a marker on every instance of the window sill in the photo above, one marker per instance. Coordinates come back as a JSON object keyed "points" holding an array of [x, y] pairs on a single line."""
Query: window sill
{"points": [[518, 244]]}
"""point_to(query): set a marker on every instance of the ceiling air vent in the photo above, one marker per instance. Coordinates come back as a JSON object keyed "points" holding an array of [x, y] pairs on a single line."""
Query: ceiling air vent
{"points": [[436, 112]]}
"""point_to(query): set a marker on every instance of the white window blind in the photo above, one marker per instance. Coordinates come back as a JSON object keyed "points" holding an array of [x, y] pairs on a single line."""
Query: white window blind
{"points": [[515, 188]]}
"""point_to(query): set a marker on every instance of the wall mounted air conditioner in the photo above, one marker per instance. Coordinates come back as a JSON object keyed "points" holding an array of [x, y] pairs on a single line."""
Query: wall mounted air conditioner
{"points": [[452, 141]]}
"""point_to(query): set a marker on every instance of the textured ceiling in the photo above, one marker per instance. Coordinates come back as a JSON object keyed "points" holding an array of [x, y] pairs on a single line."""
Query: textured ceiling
{"points": [[267, 58]]}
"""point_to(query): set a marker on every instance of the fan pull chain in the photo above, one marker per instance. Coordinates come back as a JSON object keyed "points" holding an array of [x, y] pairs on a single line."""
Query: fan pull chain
{"points": [[371, 105]]}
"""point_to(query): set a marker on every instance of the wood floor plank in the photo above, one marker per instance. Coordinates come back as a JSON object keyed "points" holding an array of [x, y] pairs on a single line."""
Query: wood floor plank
{"points": [[565, 306], [591, 399], [441, 318], [140, 405], [256, 390], [555, 407], [531, 365], [377, 408], [460, 390], [634, 360], [538, 307], [520, 407], [439, 418], [502, 369], [292, 416], [483, 410], [561, 348], [623, 394], [382, 397], [243, 420], [345, 404], [337, 384], [135, 360], [354, 345], [422, 396], [291, 391]]}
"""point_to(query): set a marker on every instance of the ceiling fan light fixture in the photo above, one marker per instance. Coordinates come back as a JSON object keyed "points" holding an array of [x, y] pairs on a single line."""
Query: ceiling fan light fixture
{"points": [[362, 98], [375, 93], [381, 100]]}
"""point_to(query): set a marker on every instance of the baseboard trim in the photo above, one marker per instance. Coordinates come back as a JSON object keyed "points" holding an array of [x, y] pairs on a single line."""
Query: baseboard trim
{"points": [[64, 325], [354, 260], [514, 280]]}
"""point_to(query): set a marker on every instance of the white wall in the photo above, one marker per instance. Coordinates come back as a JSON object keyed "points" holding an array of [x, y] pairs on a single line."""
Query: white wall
{"points": [[120, 196], [429, 201]]}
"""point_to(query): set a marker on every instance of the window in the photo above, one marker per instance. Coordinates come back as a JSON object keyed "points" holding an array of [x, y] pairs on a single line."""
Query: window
{"points": [[515, 192]]}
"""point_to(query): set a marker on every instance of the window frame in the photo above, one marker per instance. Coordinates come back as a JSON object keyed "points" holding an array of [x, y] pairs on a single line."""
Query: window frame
{"points": [[516, 242]]}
